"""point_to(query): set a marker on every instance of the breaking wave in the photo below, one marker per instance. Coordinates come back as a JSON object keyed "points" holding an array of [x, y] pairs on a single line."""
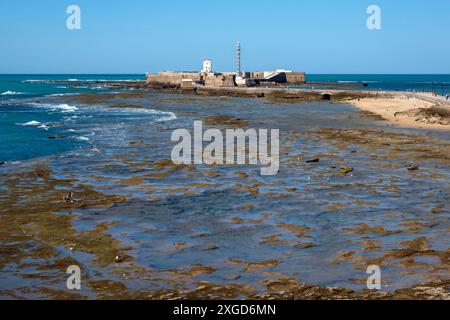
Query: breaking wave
{"points": [[162, 115], [82, 138], [11, 93], [32, 123], [58, 107]]}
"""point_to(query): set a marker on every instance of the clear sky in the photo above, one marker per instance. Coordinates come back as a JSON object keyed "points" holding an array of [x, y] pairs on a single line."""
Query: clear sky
{"points": [[138, 36]]}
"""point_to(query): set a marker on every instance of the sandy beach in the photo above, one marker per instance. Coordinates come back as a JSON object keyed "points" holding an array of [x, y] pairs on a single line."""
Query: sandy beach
{"points": [[409, 110]]}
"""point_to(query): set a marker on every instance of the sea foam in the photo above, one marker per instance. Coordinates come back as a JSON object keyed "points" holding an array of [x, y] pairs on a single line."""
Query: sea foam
{"points": [[58, 107], [32, 123], [11, 93], [165, 115]]}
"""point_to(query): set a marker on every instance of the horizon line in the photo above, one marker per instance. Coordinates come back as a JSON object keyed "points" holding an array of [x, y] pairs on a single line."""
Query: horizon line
{"points": [[62, 74]]}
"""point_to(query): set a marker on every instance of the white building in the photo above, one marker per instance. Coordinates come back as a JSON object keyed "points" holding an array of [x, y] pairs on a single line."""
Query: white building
{"points": [[207, 66]]}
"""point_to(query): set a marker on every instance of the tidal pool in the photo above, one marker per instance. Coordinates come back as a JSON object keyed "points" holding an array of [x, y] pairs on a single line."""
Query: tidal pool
{"points": [[141, 225]]}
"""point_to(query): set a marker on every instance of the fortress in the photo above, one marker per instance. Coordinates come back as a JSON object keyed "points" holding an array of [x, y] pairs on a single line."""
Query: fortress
{"points": [[206, 77]]}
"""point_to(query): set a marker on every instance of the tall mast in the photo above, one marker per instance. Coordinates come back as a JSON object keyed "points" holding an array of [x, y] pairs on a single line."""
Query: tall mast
{"points": [[238, 58]]}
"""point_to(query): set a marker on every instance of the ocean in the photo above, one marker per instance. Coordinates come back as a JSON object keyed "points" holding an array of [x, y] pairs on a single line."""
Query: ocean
{"points": [[31, 115], [26, 122], [440, 84], [146, 224]]}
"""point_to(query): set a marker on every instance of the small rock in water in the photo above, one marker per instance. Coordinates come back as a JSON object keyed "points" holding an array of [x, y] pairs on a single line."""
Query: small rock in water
{"points": [[2, 163], [413, 168], [56, 137], [119, 259], [312, 160], [345, 170], [212, 247], [305, 245], [232, 276]]}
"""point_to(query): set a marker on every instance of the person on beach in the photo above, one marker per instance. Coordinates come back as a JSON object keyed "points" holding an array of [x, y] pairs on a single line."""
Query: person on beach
{"points": [[446, 97]]}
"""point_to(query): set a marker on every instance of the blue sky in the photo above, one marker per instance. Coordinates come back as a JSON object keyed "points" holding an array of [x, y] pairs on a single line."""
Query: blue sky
{"points": [[138, 36]]}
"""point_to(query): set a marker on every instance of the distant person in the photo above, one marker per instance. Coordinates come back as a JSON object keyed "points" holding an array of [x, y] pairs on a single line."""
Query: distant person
{"points": [[68, 198], [446, 97]]}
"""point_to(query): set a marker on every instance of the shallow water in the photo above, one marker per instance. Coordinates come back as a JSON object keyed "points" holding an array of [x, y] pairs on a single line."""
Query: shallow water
{"points": [[309, 222]]}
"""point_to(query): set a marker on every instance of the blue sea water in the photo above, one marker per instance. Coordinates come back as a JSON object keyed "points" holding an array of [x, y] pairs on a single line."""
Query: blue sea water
{"points": [[26, 122], [120, 151], [440, 84]]}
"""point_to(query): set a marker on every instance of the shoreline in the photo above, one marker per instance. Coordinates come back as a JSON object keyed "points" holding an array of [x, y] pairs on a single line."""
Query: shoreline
{"points": [[411, 111], [404, 109], [113, 187], [417, 110]]}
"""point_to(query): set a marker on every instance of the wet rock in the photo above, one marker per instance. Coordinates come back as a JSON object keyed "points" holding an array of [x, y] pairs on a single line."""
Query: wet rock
{"points": [[246, 207], [125, 106], [344, 170], [56, 137], [225, 120], [305, 245], [299, 231], [273, 240], [199, 269], [119, 259], [364, 228], [134, 143], [232, 276], [436, 209], [180, 245], [2, 163], [413, 168], [313, 160], [107, 286], [251, 189], [252, 266]]}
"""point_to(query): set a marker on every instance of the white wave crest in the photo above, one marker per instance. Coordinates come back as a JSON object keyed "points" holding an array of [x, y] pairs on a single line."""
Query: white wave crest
{"points": [[11, 93], [165, 115], [32, 123], [43, 127], [170, 116], [58, 107]]}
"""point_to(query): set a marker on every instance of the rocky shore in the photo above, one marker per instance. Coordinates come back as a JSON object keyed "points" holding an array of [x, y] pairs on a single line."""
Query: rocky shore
{"points": [[407, 109], [351, 192]]}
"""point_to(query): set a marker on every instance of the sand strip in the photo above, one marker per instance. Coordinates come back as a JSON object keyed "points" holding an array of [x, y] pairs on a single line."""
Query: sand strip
{"points": [[411, 110]]}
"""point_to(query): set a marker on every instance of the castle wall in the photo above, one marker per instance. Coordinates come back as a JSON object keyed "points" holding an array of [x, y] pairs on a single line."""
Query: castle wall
{"points": [[172, 78], [219, 80], [295, 77]]}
